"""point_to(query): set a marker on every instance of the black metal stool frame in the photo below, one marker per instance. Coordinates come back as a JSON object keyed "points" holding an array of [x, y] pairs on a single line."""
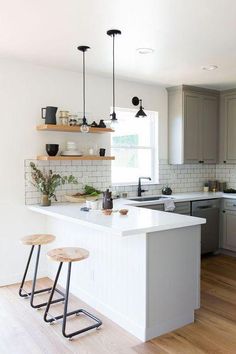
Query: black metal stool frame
{"points": [[34, 292], [65, 313]]}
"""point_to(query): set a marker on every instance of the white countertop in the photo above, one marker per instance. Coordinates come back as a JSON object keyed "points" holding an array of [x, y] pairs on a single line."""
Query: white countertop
{"points": [[138, 220]]}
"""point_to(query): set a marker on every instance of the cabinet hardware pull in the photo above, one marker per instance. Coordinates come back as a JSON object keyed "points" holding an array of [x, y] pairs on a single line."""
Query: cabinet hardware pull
{"points": [[206, 207], [224, 161]]}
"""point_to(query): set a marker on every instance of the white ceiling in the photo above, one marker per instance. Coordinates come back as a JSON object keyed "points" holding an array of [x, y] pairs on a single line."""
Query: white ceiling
{"points": [[185, 34]]}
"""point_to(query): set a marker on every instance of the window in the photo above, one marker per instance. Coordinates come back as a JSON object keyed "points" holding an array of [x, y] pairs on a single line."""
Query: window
{"points": [[134, 144]]}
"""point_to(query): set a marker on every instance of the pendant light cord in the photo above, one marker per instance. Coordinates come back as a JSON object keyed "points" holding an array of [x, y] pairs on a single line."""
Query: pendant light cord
{"points": [[113, 73], [84, 85]]}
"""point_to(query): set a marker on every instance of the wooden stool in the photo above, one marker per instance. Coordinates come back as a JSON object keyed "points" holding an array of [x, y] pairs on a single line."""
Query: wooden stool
{"points": [[36, 240], [68, 255]]}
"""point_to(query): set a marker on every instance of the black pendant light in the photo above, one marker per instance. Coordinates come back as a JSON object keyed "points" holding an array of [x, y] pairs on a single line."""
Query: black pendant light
{"points": [[113, 33], [136, 101], [84, 127]]}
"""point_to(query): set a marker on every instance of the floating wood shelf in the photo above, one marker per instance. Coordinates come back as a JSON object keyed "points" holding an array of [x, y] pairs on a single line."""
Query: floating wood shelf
{"points": [[66, 158], [71, 129]]}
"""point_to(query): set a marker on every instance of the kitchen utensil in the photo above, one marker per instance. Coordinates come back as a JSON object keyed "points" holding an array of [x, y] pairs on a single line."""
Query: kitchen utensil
{"points": [[52, 149], [71, 153], [101, 124], [107, 211], [91, 151], [230, 190], [123, 211], [166, 190], [72, 122], [102, 152], [222, 186], [107, 202], [49, 114], [75, 199]]}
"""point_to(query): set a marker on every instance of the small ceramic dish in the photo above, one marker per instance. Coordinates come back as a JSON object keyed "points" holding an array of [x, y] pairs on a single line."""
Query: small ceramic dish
{"points": [[123, 211], [107, 211]]}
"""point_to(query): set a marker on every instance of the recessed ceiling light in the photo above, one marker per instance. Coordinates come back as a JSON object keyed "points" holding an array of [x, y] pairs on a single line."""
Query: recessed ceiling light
{"points": [[145, 50], [210, 67]]}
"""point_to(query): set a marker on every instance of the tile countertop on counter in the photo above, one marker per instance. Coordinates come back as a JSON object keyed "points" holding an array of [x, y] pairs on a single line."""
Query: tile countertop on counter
{"points": [[138, 220]]}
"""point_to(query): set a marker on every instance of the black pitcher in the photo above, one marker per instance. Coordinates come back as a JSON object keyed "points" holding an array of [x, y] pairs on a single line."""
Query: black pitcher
{"points": [[107, 202], [49, 114]]}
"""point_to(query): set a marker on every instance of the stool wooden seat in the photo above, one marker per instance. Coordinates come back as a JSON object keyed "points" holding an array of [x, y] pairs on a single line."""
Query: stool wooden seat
{"points": [[68, 254], [37, 239]]}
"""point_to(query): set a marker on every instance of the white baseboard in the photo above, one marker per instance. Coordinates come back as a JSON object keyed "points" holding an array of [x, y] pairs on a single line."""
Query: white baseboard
{"points": [[169, 326]]}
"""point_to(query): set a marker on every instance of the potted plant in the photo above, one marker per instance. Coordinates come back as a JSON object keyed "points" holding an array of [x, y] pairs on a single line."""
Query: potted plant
{"points": [[47, 182]]}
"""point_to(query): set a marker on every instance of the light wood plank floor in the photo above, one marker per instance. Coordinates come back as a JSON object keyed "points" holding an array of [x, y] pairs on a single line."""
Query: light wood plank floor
{"points": [[214, 331]]}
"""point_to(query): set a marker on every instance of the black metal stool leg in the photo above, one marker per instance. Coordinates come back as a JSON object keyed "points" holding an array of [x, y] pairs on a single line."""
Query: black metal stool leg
{"points": [[46, 313], [24, 276], [66, 300], [33, 291], [35, 278], [65, 313]]}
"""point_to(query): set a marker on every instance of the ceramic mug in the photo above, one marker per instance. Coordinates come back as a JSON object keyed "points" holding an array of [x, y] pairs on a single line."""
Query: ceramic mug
{"points": [[102, 152]]}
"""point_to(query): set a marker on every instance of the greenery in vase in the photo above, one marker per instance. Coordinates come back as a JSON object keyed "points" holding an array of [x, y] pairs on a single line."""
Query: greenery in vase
{"points": [[47, 183]]}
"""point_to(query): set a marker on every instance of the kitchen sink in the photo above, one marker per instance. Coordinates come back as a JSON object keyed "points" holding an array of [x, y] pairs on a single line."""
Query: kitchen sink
{"points": [[149, 199]]}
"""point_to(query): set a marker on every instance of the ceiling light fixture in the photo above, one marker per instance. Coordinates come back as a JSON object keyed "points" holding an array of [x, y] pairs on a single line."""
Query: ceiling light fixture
{"points": [[112, 33], [140, 113], [145, 50], [210, 67], [84, 127]]}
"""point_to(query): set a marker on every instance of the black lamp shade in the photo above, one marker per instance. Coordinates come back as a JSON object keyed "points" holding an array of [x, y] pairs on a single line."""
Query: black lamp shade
{"points": [[136, 101], [140, 113]]}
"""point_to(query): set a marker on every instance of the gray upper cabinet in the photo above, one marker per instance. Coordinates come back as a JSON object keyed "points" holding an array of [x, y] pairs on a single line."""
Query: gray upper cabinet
{"points": [[193, 125], [228, 127], [209, 129], [192, 105]]}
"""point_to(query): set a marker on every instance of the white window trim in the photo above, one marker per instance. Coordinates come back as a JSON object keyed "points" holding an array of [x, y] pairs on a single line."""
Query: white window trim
{"points": [[153, 147]]}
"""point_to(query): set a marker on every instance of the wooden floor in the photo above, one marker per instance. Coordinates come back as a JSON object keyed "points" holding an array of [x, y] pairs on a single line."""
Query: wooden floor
{"points": [[214, 331]]}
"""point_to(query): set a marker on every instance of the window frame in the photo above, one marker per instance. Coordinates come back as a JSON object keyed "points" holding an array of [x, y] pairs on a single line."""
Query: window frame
{"points": [[153, 147]]}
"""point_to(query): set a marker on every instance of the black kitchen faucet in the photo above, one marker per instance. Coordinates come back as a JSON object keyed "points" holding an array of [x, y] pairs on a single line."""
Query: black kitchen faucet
{"points": [[140, 190]]}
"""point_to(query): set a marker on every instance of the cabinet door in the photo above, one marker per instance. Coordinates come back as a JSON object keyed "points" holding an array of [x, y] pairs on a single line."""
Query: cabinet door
{"points": [[228, 128], [159, 207], [192, 108], [231, 128], [209, 129], [229, 230]]}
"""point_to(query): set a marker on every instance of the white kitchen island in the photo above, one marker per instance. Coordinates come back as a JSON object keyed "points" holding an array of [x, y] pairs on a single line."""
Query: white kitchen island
{"points": [[144, 268]]}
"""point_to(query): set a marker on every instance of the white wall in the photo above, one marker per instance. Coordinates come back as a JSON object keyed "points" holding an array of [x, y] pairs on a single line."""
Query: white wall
{"points": [[24, 89]]}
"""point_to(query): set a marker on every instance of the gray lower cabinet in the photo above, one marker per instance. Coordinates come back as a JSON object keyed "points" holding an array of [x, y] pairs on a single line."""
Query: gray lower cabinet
{"points": [[193, 118], [159, 207], [229, 230], [180, 207], [228, 218], [228, 127], [210, 210]]}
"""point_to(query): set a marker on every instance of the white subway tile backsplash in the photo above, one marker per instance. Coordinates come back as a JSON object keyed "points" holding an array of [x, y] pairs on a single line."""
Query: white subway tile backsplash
{"points": [[87, 172], [181, 178]]}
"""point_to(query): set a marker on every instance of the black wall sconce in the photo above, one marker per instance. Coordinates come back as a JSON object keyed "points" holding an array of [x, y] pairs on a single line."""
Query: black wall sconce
{"points": [[137, 101]]}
